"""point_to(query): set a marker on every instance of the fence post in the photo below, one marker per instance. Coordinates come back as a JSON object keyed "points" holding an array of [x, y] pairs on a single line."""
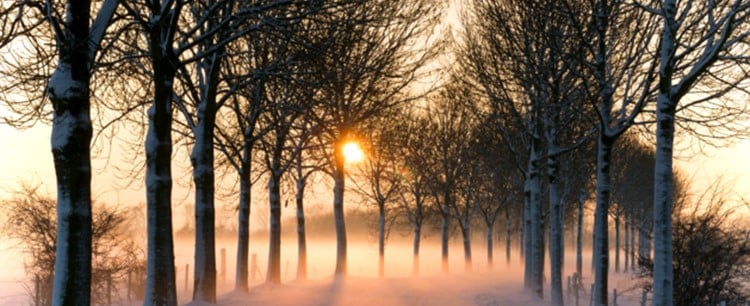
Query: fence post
{"points": [[223, 265], [614, 298], [37, 293], [591, 300], [187, 268]]}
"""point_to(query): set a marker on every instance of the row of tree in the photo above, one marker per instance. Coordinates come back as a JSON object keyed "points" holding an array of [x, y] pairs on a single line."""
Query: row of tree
{"points": [[278, 87]]}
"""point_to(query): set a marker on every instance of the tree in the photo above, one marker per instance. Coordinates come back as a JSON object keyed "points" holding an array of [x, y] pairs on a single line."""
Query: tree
{"points": [[369, 59], [700, 45], [76, 40], [380, 171]]}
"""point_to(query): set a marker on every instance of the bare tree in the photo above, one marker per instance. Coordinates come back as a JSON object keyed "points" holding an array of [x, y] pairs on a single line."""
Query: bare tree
{"points": [[76, 39], [370, 58]]}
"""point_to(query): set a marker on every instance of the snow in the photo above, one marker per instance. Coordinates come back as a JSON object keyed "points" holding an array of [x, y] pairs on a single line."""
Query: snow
{"points": [[61, 85]]}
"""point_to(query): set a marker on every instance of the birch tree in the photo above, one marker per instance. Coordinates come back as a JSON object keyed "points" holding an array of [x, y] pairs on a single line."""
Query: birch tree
{"points": [[76, 40], [700, 46]]}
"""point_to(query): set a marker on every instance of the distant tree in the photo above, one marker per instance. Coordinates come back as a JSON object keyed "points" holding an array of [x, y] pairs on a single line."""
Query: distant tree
{"points": [[372, 54], [31, 220]]}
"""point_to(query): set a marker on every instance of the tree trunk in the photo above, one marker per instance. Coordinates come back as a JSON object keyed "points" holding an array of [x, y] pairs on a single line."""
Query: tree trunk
{"points": [[415, 251], [601, 246], [644, 239], [381, 239], [617, 242], [466, 233], [160, 271], [338, 211], [627, 244], [444, 242], [243, 232], [490, 247], [202, 157], [301, 235], [664, 182], [555, 233], [160, 279], [273, 275], [579, 239], [632, 245], [535, 241], [68, 90], [507, 238]]}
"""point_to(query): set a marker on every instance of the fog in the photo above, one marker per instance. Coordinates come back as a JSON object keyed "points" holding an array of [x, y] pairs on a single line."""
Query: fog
{"points": [[500, 285]]}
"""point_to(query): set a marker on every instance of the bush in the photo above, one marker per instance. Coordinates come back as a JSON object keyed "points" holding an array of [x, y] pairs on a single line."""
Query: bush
{"points": [[711, 254], [31, 220]]}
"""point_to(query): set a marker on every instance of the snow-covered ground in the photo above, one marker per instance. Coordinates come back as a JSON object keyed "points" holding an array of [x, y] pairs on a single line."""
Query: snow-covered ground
{"points": [[501, 285]]}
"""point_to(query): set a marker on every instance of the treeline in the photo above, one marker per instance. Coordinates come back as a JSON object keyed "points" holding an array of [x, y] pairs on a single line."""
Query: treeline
{"points": [[533, 113]]}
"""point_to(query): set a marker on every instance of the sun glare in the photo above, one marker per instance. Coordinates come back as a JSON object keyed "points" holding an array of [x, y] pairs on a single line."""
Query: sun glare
{"points": [[353, 153]]}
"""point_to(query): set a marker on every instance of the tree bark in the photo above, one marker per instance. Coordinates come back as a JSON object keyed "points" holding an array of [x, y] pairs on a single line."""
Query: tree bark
{"points": [[466, 233], [381, 239], [555, 232], [627, 244], [601, 246], [301, 234], [617, 241], [243, 232], [415, 251], [338, 210], [273, 275], [507, 238], [68, 90], [160, 279], [579, 239], [490, 246], [204, 272], [444, 242], [663, 180]]}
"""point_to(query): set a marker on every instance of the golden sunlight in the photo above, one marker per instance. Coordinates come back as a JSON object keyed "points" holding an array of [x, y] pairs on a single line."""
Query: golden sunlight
{"points": [[353, 153]]}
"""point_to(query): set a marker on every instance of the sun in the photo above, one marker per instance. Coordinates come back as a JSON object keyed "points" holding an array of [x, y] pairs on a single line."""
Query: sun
{"points": [[353, 153]]}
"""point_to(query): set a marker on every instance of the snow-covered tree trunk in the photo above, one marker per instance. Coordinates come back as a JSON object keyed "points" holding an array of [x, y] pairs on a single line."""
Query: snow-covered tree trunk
{"points": [[526, 235], [273, 275], [338, 209], [68, 90], [617, 241], [243, 216], [535, 255], [601, 244], [664, 182], [555, 230], [204, 277], [160, 270], [644, 239], [381, 238], [301, 234], [415, 250]]}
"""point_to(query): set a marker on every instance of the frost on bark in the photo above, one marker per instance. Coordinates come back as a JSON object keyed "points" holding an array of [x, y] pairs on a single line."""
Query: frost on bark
{"points": [[601, 222], [555, 231], [532, 197], [243, 216], [160, 271], [202, 158], [68, 90]]}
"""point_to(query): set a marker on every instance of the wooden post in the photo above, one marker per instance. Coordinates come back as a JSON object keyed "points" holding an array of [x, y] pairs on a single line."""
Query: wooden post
{"points": [[253, 266], [37, 291], [130, 285], [570, 290], [591, 300], [109, 291], [223, 277], [187, 268], [614, 297]]}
